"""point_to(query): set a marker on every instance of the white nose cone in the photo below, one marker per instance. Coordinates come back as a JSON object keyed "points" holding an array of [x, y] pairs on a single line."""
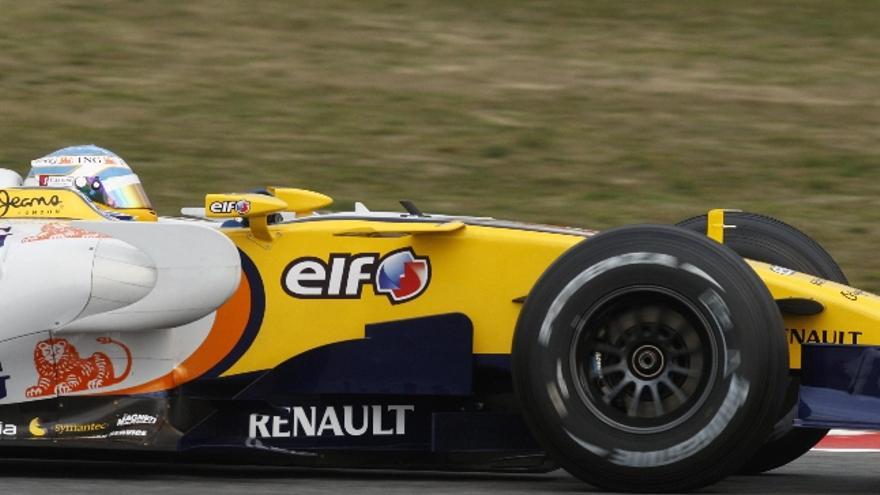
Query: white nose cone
{"points": [[122, 275], [44, 283], [175, 273]]}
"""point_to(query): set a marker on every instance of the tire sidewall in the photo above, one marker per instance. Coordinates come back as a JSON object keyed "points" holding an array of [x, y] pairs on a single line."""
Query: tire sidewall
{"points": [[734, 392]]}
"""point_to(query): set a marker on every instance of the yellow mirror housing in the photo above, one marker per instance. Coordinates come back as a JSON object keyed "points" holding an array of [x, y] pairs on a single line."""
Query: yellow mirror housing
{"points": [[249, 205], [301, 201], [257, 207]]}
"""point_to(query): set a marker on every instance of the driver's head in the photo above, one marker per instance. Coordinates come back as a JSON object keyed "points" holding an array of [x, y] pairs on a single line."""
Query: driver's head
{"points": [[97, 173]]}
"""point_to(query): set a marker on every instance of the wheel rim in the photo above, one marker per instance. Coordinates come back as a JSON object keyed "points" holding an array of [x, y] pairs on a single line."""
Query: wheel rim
{"points": [[643, 359]]}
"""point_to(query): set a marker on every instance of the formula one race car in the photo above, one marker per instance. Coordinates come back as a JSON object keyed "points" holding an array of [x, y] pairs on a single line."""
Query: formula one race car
{"points": [[644, 358]]}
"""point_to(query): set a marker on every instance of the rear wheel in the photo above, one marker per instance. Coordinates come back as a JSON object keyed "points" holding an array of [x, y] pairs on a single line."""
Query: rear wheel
{"points": [[766, 239], [649, 358]]}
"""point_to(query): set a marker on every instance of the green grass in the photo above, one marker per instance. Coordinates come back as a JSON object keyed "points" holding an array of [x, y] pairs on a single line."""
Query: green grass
{"points": [[570, 112]]}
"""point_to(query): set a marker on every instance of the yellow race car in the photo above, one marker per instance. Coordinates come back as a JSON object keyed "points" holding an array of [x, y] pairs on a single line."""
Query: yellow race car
{"points": [[643, 358]]}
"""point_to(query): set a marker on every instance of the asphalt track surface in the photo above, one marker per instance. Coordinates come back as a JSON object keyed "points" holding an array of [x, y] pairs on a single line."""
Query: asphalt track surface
{"points": [[815, 473]]}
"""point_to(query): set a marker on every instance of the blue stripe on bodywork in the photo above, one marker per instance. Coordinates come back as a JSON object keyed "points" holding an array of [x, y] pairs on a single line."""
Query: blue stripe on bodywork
{"points": [[840, 387], [255, 320], [431, 355]]}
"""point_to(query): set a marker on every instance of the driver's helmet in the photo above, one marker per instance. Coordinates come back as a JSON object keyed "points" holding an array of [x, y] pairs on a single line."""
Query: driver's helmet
{"points": [[99, 174]]}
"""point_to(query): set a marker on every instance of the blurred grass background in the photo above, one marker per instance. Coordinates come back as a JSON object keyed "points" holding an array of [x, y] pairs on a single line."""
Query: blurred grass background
{"points": [[569, 112]]}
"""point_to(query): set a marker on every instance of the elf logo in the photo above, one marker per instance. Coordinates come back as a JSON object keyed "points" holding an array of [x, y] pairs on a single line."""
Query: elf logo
{"points": [[400, 275], [241, 207]]}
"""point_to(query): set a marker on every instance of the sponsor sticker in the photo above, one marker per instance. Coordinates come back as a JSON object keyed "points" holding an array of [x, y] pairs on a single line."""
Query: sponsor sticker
{"points": [[401, 276], [824, 336], [136, 419], [36, 429], [781, 270], [55, 180], [29, 206], [94, 429], [852, 294], [51, 231], [54, 161], [80, 428], [82, 373], [8, 430], [128, 433], [241, 207], [332, 421]]}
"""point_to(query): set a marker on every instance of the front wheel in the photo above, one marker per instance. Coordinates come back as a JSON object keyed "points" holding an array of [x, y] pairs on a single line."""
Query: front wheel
{"points": [[649, 358]]}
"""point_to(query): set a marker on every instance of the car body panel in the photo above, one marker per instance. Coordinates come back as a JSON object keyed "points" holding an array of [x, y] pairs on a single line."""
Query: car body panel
{"points": [[849, 315], [269, 328], [840, 387], [479, 271]]}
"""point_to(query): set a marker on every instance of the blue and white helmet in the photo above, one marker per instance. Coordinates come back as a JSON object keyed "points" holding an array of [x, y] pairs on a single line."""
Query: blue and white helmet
{"points": [[99, 174]]}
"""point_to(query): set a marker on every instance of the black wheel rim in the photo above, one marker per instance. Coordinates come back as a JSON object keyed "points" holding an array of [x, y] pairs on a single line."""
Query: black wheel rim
{"points": [[643, 359]]}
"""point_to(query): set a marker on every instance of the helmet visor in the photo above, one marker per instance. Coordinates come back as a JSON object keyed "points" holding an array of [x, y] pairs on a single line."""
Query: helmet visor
{"points": [[119, 192]]}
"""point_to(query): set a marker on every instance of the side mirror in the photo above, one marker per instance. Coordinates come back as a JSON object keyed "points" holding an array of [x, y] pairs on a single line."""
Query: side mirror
{"points": [[301, 201], [255, 207]]}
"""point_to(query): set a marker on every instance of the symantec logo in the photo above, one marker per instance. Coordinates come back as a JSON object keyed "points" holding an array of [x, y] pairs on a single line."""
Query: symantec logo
{"points": [[400, 275]]}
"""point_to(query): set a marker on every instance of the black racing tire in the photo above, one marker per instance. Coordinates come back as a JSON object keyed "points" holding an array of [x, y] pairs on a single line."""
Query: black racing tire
{"points": [[766, 239], [649, 358]]}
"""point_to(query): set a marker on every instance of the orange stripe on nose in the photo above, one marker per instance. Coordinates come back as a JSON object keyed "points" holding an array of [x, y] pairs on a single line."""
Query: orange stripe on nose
{"points": [[229, 325]]}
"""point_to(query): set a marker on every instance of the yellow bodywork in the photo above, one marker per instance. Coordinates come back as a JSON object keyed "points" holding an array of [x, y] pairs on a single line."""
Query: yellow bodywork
{"points": [[483, 272], [476, 269], [60, 203], [48, 203], [715, 224], [851, 316]]}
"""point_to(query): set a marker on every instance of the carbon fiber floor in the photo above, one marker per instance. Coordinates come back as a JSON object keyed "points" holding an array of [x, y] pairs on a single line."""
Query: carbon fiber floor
{"points": [[816, 473]]}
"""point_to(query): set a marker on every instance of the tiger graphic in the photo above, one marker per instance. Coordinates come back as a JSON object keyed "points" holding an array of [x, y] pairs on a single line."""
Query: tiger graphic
{"points": [[61, 231], [61, 370]]}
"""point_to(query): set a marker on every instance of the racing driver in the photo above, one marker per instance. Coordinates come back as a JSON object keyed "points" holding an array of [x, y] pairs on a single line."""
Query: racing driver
{"points": [[99, 174]]}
